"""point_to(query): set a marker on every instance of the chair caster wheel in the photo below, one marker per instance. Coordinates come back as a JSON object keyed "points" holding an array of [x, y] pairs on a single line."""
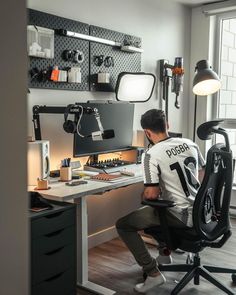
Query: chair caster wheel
{"points": [[234, 278]]}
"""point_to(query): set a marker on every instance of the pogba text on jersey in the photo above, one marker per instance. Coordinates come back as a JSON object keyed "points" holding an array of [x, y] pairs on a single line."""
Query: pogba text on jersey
{"points": [[178, 149]]}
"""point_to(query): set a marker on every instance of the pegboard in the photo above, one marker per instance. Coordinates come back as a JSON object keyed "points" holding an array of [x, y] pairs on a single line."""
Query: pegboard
{"points": [[123, 61], [61, 43]]}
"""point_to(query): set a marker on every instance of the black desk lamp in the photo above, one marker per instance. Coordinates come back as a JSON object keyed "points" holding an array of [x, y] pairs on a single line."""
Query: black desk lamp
{"points": [[205, 82]]}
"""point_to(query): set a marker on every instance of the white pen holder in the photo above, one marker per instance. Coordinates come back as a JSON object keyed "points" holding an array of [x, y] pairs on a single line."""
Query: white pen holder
{"points": [[65, 174]]}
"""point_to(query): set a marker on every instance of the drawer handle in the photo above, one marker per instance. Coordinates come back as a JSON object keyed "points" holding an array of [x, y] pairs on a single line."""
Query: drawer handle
{"points": [[55, 233], [54, 251], [54, 277], [53, 215]]}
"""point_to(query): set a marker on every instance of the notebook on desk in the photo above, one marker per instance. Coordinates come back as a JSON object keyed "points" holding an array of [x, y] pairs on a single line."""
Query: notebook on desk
{"points": [[106, 177], [112, 178]]}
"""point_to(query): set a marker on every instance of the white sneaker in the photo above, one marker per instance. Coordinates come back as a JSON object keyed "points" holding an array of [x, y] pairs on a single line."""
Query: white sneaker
{"points": [[164, 259], [150, 283]]}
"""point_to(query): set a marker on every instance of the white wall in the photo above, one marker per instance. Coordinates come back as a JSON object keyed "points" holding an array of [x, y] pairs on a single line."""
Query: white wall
{"points": [[14, 247], [202, 47], [164, 27]]}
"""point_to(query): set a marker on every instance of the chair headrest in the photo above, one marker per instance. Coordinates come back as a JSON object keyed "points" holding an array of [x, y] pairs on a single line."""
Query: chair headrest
{"points": [[207, 129]]}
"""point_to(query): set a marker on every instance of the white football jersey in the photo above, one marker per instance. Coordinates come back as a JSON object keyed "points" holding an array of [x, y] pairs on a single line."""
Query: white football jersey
{"points": [[173, 164]]}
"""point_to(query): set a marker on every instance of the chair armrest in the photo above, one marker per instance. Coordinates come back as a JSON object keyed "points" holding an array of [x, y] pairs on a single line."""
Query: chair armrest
{"points": [[160, 207], [159, 203]]}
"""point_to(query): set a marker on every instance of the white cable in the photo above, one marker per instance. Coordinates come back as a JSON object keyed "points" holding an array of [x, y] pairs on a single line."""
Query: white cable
{"points": [[78, 123], [97, 116]]}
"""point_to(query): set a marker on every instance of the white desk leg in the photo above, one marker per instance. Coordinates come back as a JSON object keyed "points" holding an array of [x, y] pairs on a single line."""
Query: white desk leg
{"points": [[82, 250]]}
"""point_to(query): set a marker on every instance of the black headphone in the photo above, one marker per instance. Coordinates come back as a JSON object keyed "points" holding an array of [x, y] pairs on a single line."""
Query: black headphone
{"points": [[68, 55], [69, 126]]}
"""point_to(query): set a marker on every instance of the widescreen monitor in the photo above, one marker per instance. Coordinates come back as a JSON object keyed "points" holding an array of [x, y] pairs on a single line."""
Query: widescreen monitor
{"points": [[116, 116]]}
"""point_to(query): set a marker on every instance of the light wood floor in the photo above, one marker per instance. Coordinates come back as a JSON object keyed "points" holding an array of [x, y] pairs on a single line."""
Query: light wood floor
{"points": [[112, 266]]}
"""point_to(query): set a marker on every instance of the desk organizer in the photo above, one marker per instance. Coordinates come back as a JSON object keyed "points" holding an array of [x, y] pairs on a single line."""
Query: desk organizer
{"points": [[65, 174], [114, 59]]}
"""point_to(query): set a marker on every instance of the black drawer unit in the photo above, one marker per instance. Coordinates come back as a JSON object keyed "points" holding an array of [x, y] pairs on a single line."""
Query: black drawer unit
{"points": [[53, 250]]}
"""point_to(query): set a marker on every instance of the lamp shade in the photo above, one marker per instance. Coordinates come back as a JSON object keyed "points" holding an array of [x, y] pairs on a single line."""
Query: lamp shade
{"points": [[135, 87], [206, 81]]}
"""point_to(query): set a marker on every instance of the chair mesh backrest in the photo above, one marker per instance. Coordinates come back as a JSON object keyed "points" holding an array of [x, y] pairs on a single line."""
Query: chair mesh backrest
{"points": [[211, 205]]}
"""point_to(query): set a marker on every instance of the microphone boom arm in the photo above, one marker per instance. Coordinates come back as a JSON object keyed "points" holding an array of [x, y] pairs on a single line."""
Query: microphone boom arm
{"points": [[75, 109]]}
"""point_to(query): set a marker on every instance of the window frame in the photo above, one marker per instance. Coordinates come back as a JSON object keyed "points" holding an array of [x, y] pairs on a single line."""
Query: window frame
{"points": [[229, 123]]}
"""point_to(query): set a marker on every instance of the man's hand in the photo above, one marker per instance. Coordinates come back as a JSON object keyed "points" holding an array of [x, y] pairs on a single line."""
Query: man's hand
{"points": [[201, 174], [151, 192]]}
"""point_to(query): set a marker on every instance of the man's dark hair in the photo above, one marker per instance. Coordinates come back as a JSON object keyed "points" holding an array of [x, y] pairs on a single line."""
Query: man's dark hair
{"points": [[155, 120]]}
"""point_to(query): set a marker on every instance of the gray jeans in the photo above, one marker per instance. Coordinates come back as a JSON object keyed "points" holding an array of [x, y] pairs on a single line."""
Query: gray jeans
{"points": [[140, 219]]}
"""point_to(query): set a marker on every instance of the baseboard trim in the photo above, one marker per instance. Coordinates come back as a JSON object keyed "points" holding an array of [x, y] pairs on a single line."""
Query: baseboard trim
{"points": [[102, 236], [110, 233]]}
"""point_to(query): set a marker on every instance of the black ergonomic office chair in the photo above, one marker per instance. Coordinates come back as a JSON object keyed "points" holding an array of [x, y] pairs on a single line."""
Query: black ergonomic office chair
{"points": [[211, 224]]}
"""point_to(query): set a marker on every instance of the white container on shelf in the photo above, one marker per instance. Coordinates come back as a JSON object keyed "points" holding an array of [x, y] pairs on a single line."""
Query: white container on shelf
{"points": [[40, 42], [74, 75]]}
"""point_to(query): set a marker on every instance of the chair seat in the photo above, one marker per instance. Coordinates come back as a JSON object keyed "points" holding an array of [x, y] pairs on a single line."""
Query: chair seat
{"points": [[183, 238]]}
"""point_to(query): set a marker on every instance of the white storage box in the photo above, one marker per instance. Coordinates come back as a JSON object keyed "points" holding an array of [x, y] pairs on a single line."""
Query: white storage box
{"points": [[40, 42]]}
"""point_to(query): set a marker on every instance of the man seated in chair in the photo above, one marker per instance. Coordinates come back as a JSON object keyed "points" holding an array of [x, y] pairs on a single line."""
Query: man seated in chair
{"points": [[171, 171]]}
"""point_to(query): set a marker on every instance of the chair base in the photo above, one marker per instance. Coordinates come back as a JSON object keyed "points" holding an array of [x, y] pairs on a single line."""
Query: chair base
{"points": [[194, 271]]}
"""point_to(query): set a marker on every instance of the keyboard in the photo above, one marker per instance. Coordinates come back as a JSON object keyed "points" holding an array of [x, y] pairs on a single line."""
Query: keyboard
{"points": [[131, 170], [108, 166], [125, 173]]}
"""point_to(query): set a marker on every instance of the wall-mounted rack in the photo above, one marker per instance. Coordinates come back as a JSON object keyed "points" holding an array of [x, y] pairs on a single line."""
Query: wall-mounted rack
{"points": [[117, 52]]}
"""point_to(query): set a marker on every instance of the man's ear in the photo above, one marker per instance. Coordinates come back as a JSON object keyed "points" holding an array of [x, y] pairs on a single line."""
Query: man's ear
{"points": [[148, 133], [167, 125]]}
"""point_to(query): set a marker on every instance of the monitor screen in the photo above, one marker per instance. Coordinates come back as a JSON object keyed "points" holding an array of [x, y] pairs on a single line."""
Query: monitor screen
{"points": [[117, 116]]}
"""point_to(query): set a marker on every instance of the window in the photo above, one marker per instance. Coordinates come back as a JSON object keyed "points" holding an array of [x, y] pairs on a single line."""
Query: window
{"points": [[226, 108]]}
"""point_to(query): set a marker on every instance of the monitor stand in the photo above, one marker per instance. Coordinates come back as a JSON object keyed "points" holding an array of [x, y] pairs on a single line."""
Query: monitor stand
{"points": [[92, 159]]}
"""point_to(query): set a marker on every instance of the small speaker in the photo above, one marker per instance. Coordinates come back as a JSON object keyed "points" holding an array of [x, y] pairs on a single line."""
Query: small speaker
{"points": [[38, 161]]}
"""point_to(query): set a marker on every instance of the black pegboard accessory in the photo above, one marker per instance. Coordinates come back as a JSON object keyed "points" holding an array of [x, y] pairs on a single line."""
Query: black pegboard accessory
{"points": [[123, 61]]}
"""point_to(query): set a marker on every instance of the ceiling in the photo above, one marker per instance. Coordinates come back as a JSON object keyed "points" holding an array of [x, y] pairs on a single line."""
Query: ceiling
{"points": [[197, 2]]}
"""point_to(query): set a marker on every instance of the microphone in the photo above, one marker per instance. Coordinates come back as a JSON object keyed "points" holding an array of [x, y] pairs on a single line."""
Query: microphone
{"points": [[108, 134], [177, 79], [99, 135], [96, 135]]}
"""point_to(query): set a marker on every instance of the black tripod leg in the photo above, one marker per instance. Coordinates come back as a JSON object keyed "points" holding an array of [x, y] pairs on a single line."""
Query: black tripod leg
{"points": [[209, 277], [184, 281], [196, 279], [217, 269], [176, 267]]}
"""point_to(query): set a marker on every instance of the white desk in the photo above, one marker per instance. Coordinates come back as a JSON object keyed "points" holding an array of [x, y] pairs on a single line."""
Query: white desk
{"points": [[60, 192]]}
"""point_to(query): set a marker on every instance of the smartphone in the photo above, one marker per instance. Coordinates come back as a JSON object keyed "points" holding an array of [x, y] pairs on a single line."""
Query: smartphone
{"points": [[74, 183]]}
